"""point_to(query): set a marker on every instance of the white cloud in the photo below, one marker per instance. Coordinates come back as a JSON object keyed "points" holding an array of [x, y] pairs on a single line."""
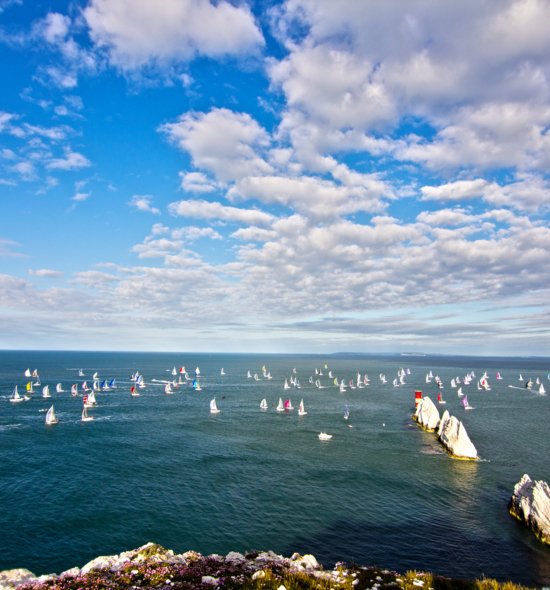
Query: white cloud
{"points": [[191, 233], [45, 273], [197, 182], [71, 161], [207, 210], [138, 32], [144, 203], [320, 199], [455, 191], [222, 142], [79, 196]]}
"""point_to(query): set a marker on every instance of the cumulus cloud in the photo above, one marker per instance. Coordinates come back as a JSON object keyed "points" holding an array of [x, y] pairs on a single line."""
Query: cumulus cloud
{"points": [[71, 161], [144, 203], [45, 273], [222, 142], [197, 182], [199, 209], [136, 33]]}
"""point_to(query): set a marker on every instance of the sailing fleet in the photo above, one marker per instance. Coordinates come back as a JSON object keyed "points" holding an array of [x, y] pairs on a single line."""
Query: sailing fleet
{"points": [[322, 378]]}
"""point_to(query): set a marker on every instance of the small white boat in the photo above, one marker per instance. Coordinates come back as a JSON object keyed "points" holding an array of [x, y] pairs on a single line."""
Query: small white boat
{"points": [[16, 398], [59, 388], [89, 400], [466, 404], [324, 436], [213, 407], [440, 399], [168, 389], [280, 406], [222, 372], [301, 409], [46, 391], [85, 417], [51, 418], [133, 391], [263, 404]]}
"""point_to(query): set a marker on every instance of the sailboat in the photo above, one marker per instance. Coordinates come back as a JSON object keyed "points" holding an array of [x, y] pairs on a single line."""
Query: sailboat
{"points": [[466, 404], [133, 391], [263, 404], [74, 389], [27, 373], [222, 372], [346, 412], [324, 436], [168, 389], [214, 407], [542, 391], [95, 376], [280, 406], [46, 391], [51, 418], [301, 409], [85, 417], [59, 388], [440, 399], [80, 373], [89, 400], [288, 405], [15, 397], [197, 385]]}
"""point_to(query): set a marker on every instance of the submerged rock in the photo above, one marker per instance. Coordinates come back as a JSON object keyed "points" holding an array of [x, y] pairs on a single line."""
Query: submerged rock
{"points": [[455, 439], [427, 414], [530, 503]]}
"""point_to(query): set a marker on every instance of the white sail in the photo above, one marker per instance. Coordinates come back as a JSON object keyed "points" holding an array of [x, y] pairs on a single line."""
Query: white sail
{"points": [[263, 404], [213, 407], [46, 391], [51, 418], [301, 409], [168, 389], [324, 436], [95, 376], [85, 417], [16, 398], [59, 388], [27, 373], [542, 391], [280, 406]]}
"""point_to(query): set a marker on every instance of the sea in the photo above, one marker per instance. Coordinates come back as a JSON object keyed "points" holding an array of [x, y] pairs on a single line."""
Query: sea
{"points": [[162, 468]]}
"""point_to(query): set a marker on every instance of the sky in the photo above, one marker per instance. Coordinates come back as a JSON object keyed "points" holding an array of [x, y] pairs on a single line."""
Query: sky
{"points": [[299, 176]]}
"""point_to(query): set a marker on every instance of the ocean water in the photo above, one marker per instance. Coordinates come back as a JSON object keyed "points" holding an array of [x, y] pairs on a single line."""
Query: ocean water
{"points": [[162, 468]]}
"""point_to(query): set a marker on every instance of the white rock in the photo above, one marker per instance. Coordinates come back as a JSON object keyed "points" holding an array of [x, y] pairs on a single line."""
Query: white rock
{"points": [[235, 557], [444, 419], [427, 414], [10, 579], [456, 440], [530, 503], [100, 563], [209, 580], [74, 571], [260, 574]]}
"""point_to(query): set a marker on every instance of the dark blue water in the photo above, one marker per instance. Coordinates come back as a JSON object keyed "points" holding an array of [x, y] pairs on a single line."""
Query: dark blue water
{"points": [[161, 468]]}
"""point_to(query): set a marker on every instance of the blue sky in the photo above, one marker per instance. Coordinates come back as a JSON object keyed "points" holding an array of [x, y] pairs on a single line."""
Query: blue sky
{"points": [[299, 176]]}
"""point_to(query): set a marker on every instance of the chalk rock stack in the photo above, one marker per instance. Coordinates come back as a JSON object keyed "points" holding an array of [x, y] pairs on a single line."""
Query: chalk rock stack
{"points": [[427, 415], [454, 438], [450, 430], [530, 503]]}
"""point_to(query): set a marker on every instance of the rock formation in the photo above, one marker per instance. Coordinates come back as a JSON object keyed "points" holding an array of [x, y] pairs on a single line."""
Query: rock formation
{"points": [[530, 503], [455, 439], [450, 430], [427, 415]]}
